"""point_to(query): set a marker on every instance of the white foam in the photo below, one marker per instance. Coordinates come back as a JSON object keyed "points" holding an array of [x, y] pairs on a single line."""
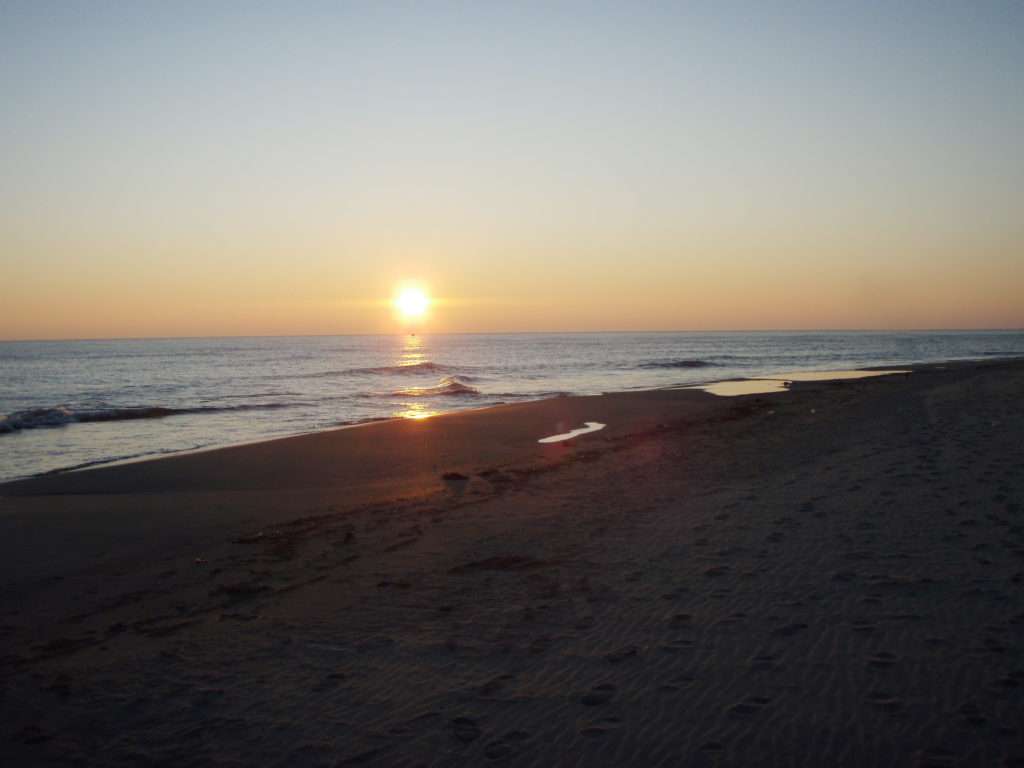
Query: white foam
{"points": [[588, 426]]}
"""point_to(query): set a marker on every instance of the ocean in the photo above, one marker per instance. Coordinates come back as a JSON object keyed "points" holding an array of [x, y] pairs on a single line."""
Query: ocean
{"points": [[71, 404]]}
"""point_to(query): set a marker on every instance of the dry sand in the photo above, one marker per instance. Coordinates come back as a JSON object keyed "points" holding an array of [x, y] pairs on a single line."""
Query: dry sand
{"points": [[832, 575]]}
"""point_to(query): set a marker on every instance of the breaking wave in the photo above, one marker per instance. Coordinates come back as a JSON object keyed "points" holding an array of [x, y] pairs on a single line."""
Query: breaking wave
{"points": [[678, 364], [402, 370], [61, 415], [424, 367], [449, 385]]}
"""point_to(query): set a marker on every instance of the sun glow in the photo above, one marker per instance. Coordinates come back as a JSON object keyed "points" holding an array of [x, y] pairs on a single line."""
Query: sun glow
{"points": [[412, 303]]}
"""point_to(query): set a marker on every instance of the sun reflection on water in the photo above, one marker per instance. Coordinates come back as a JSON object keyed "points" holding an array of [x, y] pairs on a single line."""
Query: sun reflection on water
{"points": [[412, 352], [416, 411]]}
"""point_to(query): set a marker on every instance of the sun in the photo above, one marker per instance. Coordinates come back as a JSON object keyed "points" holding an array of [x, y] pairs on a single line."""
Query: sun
{"points": [[412, 303]]}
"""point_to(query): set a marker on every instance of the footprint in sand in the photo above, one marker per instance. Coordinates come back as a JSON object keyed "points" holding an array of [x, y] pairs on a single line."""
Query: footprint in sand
{"points": [[332, 680], [749, 706], [882, 660], [789, 630], [31, 734], [972, 715], [885, 701], [763, 663], [465, 730], [679, 644], [598, 695], [1011, 681], [495, 684], [505, 746], [601, 727], [683, 679], [622, 654]]}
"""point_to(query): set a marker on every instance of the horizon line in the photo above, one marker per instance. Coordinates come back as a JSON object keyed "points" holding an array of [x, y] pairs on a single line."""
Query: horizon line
{"points": [[510, 333]]}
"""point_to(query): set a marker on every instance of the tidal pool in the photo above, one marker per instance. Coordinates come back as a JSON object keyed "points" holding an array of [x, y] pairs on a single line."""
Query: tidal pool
{"points": [[781, 382], [588, 426]]}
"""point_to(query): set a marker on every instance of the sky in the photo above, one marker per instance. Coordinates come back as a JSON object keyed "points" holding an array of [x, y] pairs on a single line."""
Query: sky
{"points": [[280, 168]]}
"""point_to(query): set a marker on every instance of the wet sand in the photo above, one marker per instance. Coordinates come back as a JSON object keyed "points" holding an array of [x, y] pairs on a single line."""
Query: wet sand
{"points": [[829, 575]]}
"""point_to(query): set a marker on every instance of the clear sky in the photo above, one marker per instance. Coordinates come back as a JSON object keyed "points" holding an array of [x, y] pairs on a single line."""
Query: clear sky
{"points": [[278, 168]]}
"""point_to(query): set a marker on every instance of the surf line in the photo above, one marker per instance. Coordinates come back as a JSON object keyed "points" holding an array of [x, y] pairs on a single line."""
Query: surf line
{"points": [[588, 426]]}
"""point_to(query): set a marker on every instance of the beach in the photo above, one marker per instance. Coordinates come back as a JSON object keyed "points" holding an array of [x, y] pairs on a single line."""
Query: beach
{"points": [[828, 575]]}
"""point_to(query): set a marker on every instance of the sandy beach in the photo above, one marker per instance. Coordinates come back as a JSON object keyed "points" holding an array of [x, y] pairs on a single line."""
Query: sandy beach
{"points": [[830, 575]]}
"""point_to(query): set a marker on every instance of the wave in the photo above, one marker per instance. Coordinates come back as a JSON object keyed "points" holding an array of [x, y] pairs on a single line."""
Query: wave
{"points": [[424, 367], [61, 415], [449, 385], [251, 395], [404, 370], [315, 375], [679, 364]]}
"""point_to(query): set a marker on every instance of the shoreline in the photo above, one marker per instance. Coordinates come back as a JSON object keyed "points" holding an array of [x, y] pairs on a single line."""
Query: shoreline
{"points": [[724, 392]]}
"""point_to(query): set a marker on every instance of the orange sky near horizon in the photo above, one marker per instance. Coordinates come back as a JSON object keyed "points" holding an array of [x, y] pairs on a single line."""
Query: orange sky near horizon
{"points": [[617, 293]]}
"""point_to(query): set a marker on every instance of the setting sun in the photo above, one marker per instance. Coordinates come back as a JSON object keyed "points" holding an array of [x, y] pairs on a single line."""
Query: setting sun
{"points": [[412, 303]]}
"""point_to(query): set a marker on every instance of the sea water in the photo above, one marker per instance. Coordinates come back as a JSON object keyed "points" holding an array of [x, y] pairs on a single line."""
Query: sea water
{"points": [[67, 404]]}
